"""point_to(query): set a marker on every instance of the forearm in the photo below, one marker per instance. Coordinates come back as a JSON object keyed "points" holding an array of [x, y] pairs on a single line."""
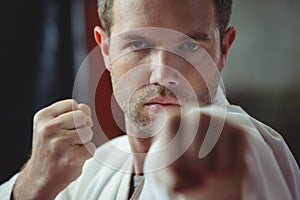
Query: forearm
{"points": [[29, 186]]}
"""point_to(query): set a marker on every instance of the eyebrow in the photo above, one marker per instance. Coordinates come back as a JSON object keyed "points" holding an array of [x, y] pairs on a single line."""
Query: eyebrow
{"points": [[131, 36], [196, 36], [201, 36]]}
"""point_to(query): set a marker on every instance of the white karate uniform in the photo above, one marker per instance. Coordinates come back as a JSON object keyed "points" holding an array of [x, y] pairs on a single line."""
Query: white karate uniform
{"points": [[272, 170]]}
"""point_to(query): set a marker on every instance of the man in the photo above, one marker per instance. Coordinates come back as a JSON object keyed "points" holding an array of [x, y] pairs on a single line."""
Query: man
{"points": [[183, 138]]}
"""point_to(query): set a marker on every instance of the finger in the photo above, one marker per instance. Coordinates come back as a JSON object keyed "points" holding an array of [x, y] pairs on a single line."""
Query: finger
{"points": [[239, 150], [91, 148], [164, 125], [230, 148], [56, 109], [77, 136], [61, 107], [224, 149], [201, 125], [85, 108], [71, 120]]}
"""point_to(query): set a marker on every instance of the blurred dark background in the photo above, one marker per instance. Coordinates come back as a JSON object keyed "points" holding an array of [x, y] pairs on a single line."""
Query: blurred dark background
{"points": [[43, 44]]}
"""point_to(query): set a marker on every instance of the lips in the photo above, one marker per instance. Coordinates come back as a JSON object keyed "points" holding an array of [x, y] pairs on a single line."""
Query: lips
{"points": [[162, 102]]}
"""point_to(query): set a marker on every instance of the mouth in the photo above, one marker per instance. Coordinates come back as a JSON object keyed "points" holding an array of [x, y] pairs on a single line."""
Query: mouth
{"points": [[162, 102], [158, 104]]}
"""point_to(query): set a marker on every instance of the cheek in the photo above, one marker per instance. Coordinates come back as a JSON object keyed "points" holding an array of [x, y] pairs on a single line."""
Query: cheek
{"points": [[196, 79], [124, 63], [202, 78], [213, 48], [120, 67], [214, 52]]}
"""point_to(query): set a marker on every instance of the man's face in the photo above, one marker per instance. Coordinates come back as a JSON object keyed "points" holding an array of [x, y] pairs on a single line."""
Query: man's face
{"points": [[159, 67]]}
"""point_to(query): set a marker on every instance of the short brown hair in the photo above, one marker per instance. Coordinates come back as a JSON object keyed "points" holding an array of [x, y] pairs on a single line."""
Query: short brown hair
{"points": [[223, 10]]}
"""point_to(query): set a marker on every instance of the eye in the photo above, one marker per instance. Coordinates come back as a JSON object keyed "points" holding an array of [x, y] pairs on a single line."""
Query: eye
{"points": [[190, 46], [136, 45]]}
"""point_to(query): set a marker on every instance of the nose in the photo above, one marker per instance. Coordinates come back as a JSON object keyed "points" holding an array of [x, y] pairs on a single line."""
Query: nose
{"points": [[161, 70]]}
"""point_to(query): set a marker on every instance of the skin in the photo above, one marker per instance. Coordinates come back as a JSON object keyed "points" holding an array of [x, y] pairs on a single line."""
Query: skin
{"points": [[222, 169], [189, 175], [185, 18], [60, 150], [190, 18]]}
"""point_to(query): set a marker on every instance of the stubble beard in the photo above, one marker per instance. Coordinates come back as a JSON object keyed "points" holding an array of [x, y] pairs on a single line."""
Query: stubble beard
{"points": [[135, 110]]}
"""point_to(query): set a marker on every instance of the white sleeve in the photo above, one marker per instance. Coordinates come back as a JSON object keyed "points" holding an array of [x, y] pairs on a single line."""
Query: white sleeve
{"points": [[7, 187], [273, 172]]}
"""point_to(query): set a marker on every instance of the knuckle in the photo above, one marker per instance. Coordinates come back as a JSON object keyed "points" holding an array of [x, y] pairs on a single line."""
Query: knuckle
{"points": [[59, 120], [40, 115], [84, 108], [56, 146], [68, 103], [73, 103], [91, 147], [72, 161], [80, 117], [89, 134], [88, 152], [37, 117], [80, 113], [173, 123], [233, 127], [206, 117], [48, 128], [174, 119], [88, 108], [69, 161], [85, 134]]}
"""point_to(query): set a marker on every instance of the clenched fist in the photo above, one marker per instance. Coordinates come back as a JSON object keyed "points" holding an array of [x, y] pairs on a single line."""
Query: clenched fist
{"points": [[208, 153], [61, 144]]}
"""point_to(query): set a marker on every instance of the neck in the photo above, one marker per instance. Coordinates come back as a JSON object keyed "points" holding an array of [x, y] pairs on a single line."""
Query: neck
{"points": [[139, 146]]}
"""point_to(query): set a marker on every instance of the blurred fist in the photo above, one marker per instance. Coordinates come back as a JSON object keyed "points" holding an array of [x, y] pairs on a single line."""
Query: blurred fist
{"points": [[208, 149]]}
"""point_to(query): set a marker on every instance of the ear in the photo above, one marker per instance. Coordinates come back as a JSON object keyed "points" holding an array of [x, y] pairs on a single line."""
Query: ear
{"points": [[227, 41], [102, 40]]}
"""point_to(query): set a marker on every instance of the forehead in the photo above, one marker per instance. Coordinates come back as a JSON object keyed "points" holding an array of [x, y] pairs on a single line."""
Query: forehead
{"points": [[181, 15]]}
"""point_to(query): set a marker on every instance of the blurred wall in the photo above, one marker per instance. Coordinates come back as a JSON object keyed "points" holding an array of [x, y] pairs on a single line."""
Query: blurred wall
{"points": [[262, 71], [37, 69]]}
